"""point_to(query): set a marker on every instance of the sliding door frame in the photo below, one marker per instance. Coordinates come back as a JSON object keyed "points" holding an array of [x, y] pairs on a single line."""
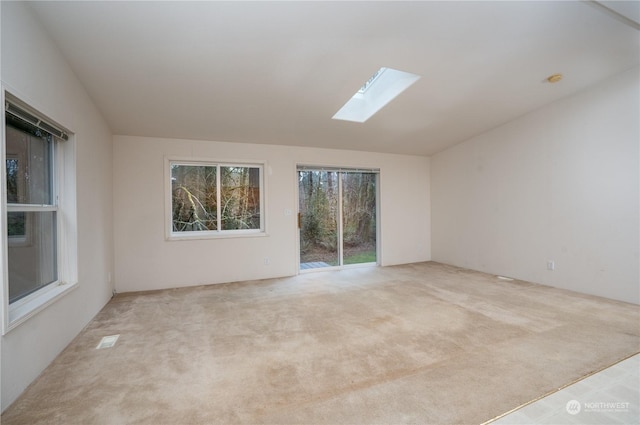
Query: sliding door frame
{"points": [[340, 219]]}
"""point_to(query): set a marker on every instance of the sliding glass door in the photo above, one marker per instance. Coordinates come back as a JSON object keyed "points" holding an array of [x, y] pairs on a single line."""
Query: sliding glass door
{"points": [[359, 229], [337, 217], [318, 219]]}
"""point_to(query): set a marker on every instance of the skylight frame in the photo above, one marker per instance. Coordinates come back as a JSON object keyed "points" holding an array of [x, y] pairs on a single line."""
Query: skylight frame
{"points": [[380, 89], [371, 80]]}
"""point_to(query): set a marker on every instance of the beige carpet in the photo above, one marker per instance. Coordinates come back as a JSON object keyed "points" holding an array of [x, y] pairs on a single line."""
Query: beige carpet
{"points": [[422, 343]]}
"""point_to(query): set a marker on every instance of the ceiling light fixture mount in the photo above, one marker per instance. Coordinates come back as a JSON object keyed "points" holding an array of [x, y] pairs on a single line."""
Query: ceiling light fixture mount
{"points": [[554, 78]]}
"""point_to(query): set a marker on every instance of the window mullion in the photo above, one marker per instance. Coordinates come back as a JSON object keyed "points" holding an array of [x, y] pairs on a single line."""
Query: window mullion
{"points": [[262, 198], [340, 221], [30, 208], [218, 199]]}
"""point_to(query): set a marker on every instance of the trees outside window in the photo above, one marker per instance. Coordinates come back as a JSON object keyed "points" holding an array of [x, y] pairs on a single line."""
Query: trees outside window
{"points": [[337, 217], [212, 197]]}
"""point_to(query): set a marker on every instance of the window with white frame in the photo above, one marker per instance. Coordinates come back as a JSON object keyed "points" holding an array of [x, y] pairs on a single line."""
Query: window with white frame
{"points": [[215, 199], [36, 252]]}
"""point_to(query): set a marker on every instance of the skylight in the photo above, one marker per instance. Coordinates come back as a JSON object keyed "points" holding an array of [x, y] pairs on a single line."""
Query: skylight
{"points": [[381, 88], [370, 81]]}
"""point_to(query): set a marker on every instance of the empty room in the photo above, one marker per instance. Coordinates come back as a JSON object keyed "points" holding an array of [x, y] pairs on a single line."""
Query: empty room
{"points": [[320, 212]]}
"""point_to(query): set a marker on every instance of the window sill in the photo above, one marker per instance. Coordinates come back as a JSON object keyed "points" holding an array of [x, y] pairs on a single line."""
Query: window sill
{"points": [[20, 313], [211, 235]]}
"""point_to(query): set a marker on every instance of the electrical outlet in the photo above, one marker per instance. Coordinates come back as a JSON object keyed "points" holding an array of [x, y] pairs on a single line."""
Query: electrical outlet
{"points": [[551, 265], [266, 261]]}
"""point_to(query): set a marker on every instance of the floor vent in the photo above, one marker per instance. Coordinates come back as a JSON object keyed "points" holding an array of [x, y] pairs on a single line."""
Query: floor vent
{"points": [[108, 341], [508, 279]]}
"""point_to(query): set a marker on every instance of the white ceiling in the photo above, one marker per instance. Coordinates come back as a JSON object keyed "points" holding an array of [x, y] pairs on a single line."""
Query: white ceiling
{"points": [[276, 72]]}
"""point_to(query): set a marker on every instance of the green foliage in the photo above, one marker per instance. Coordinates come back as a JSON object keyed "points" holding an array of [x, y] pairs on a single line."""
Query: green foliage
{"points": [[318, 226], [16, 224], [361, 257]]}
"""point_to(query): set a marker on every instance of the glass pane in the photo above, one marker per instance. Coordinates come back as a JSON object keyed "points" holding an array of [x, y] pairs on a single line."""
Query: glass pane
{"points": [[16, 225], [318, 195], [29, 167], [31, 252], [240, 197], [194, 198], [359, 218], [12, 180]]}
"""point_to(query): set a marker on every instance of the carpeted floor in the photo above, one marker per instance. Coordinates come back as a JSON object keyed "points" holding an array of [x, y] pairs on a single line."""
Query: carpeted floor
{"points": [[420, 343]]}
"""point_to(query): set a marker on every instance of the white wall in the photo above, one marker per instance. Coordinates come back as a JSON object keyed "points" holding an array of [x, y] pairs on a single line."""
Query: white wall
{"points": [[560, 183], [33, 69], [144, 260]]}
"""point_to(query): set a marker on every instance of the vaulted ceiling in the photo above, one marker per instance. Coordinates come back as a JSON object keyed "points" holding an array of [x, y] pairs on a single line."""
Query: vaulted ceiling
{"points": [[276, 72]]}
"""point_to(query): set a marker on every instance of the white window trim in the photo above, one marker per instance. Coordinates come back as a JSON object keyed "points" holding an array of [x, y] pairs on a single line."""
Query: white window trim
{"points": [[64, 176], [170, 235], [22, 310]]}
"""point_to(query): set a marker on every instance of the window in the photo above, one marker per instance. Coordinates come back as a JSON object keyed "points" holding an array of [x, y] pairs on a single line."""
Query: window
{"points": [[215, 199], [380, 89], [34, 237]]}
